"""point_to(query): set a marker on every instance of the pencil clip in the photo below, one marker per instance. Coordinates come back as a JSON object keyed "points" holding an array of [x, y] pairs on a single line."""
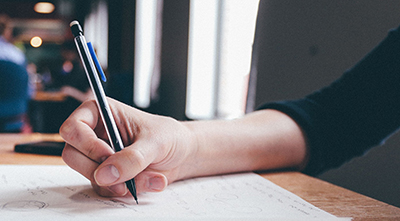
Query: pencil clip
{"points": [[96, 61]]}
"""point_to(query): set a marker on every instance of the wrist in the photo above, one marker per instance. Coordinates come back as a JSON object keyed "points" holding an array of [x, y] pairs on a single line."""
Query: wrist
{"points": [[192, 165]]}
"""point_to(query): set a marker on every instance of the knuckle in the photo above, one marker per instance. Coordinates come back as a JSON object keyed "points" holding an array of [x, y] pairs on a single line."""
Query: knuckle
{"points": [[137, 158], [130, 162], [66, 130]]}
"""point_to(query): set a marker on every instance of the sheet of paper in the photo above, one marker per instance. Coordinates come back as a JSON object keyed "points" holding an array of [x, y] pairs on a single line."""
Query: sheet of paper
{"points": [[46, 192]]}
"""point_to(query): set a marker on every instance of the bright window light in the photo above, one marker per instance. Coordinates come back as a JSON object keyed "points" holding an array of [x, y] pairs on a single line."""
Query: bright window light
{"points": [[202, 57], [221, 35], [238, 27], [96, 31], [145, 49]]}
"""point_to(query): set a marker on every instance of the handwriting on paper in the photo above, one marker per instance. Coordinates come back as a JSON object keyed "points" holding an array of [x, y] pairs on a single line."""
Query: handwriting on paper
{"points": [[43, 192]]}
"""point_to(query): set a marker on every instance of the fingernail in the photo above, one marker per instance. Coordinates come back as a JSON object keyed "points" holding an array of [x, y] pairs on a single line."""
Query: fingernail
{"points": [[156, 184], [106, 175]]}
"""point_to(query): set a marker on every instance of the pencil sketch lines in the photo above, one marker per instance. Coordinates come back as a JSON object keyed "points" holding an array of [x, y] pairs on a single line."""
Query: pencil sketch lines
{"points": [[231, 202], [4, 179], [24, 205]]}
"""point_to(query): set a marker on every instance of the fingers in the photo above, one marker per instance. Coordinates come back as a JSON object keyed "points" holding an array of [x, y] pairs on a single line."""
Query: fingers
{"points": [[123, 166], [110, 191], [79, 162], [85, 166], [126, 163], [147, 181], [84, 150], [150, 181], [87, 152], [79, 131]]}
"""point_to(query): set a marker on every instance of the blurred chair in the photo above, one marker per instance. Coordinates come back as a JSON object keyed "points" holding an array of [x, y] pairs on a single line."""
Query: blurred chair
{"points": [[13, 96]]}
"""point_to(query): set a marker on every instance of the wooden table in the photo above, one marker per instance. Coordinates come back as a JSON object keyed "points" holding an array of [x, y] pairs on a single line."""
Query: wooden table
{"points": [[333, 199], [55, 96]]}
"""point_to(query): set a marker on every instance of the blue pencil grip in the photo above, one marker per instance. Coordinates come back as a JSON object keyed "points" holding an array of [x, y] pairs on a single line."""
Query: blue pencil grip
{"points": [[96, 61]]}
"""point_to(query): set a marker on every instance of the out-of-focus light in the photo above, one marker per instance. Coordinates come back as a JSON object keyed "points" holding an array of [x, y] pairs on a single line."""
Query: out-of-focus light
{"points": [[44, 7], [36, 42]]}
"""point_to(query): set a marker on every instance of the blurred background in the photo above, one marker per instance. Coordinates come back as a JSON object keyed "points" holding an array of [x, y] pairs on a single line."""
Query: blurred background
{"points": [[186, 59], [191, 60]]}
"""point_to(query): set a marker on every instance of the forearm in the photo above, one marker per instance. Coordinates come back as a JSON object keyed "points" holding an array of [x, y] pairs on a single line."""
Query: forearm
{"points": [[262, 140]]}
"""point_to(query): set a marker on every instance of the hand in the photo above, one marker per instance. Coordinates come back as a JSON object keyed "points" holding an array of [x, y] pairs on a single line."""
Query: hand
{"points": [[156, 149], [160, 150], [77, 94]]}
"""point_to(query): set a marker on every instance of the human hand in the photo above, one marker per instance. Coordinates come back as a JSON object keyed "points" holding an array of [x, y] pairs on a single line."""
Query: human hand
{"points": [[157, 149], [77, 94]]}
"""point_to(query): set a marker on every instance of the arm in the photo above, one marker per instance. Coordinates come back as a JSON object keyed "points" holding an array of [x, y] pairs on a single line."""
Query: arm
{"points": [[77, 94], [263, 140], [353, 114], [160, 150]]}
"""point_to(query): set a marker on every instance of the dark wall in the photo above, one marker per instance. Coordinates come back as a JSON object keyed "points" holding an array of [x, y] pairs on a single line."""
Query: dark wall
{"points": [[174, 46], [121, 36], [174, 49], [310, 43], [171, 93]]}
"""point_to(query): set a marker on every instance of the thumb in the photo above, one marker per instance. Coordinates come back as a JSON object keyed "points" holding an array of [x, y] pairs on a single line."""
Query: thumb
{"points": [[126, 164], [146, 181]]}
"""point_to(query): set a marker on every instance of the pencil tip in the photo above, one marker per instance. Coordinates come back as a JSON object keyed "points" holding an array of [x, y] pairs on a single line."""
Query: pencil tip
{"points": [[132, 189]]}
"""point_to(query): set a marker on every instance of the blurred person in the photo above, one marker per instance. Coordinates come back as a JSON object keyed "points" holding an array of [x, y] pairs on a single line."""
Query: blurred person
{"points": [[62, 77], [68, 76], [8, 51], [77, 94], [14, 81], [68, 70], [14, 98]]}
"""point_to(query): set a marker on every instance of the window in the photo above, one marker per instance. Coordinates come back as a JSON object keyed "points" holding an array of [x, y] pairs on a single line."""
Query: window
{"points": [[147, 39], [96, 29], [221, 35]]}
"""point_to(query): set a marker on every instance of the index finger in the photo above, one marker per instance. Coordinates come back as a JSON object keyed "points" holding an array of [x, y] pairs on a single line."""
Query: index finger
{"points": [[79, 131]]}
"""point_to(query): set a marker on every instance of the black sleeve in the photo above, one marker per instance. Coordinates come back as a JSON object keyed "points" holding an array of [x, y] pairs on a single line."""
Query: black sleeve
{"points": [[356, 112]]}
